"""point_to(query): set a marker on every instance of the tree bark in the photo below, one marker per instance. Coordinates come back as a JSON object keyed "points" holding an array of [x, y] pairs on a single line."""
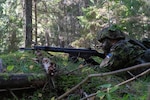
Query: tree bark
{"points": [[35, 14], [28, 23], [13, 80]]}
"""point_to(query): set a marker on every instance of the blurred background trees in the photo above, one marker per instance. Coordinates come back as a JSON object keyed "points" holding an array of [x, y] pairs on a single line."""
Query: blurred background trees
{"points": [[65, 23]]}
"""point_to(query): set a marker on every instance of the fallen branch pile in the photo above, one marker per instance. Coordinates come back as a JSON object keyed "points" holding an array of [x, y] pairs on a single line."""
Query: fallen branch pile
{"points": [[105, 74]]}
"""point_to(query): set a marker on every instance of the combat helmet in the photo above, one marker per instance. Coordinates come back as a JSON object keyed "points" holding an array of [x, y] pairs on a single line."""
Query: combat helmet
{"points": [[112, 32]]}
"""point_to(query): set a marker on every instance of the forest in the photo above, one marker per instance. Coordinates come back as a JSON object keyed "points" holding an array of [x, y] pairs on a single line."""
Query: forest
{"points": [[65, 24]]}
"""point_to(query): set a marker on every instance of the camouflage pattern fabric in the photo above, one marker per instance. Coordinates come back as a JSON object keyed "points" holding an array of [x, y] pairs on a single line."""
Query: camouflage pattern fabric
{"points": [[123, 54]]}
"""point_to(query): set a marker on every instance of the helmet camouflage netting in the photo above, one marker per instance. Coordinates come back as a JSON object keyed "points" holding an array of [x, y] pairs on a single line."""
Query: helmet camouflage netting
{"points": [[111, 33]]}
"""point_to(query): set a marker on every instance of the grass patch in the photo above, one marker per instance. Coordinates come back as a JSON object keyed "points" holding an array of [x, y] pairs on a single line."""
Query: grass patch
{"points": [[20, 62]]}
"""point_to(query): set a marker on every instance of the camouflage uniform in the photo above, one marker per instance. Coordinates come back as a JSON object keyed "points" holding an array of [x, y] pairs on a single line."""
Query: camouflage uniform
{"points": [[121, 54]]}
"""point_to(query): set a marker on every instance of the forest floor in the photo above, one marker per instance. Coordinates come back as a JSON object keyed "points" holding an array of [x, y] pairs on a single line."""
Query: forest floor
{"points": [[75, 81]]}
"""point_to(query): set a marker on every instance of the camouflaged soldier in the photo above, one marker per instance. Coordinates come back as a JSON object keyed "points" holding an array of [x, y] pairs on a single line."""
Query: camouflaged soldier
{"points": [[120, 53]]}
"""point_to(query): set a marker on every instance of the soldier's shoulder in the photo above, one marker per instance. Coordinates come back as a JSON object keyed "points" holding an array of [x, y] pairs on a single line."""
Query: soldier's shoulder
{"points": [[121, 44]]}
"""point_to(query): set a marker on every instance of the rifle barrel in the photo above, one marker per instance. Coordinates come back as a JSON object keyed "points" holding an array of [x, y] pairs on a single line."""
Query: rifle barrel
{"points": [[26, 48], [71, 50]]}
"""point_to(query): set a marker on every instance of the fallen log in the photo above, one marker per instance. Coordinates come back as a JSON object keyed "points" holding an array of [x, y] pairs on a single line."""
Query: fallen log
{"points": [[16, 80]]}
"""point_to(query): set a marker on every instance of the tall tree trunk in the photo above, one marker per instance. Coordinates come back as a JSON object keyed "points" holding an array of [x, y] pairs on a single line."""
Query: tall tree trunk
{"points": [[28, 23], [24, 19], [47, 38], [35, 14]]}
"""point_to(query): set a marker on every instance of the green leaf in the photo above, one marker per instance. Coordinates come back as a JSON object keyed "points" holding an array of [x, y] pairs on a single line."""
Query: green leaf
{"points": [[106, 86], [56, 2], [113, 89], [92, 1], [100, 94], [53, 98], [96, 59], [108, 96], [10, 68]]}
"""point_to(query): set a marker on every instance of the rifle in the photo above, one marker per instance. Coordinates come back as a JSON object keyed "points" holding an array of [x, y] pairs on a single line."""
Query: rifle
{"points": [[86, 54]]}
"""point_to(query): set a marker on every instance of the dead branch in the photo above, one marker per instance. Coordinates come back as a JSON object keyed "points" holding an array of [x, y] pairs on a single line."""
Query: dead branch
{"points": [[86, 95], [11, 92], [100, 75], [89, 96], [133, 78], [17, 89], [122, 83]]}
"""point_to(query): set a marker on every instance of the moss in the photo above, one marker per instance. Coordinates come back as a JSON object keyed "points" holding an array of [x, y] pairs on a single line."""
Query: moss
{"points": [[4, 76], [37, 76]]}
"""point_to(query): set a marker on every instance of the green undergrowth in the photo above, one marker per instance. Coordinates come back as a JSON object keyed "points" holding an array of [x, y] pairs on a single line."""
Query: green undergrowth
{"points": [[20, 62], [71, 75]]}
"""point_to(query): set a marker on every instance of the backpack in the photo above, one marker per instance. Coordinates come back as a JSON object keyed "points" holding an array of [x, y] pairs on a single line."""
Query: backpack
{"points": [[146, 42]]}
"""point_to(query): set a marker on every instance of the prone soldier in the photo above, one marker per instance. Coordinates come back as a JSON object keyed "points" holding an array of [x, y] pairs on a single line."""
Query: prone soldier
{"points": [[121, 52]]}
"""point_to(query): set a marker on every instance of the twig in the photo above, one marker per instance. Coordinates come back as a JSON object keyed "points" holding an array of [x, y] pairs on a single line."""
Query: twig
{"points": [[86, 95], [16, 98], [131, 74], [44, 86], [52, 81], [100, 75], [133, 78], [76, 69], [122, 83], [17, 89], [89, 96]]}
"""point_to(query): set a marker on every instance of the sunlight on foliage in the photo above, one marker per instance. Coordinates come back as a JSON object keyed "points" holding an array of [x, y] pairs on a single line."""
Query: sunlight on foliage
{"points": [[10, 68], [20, 62], [40, 95], [53, 98]]}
